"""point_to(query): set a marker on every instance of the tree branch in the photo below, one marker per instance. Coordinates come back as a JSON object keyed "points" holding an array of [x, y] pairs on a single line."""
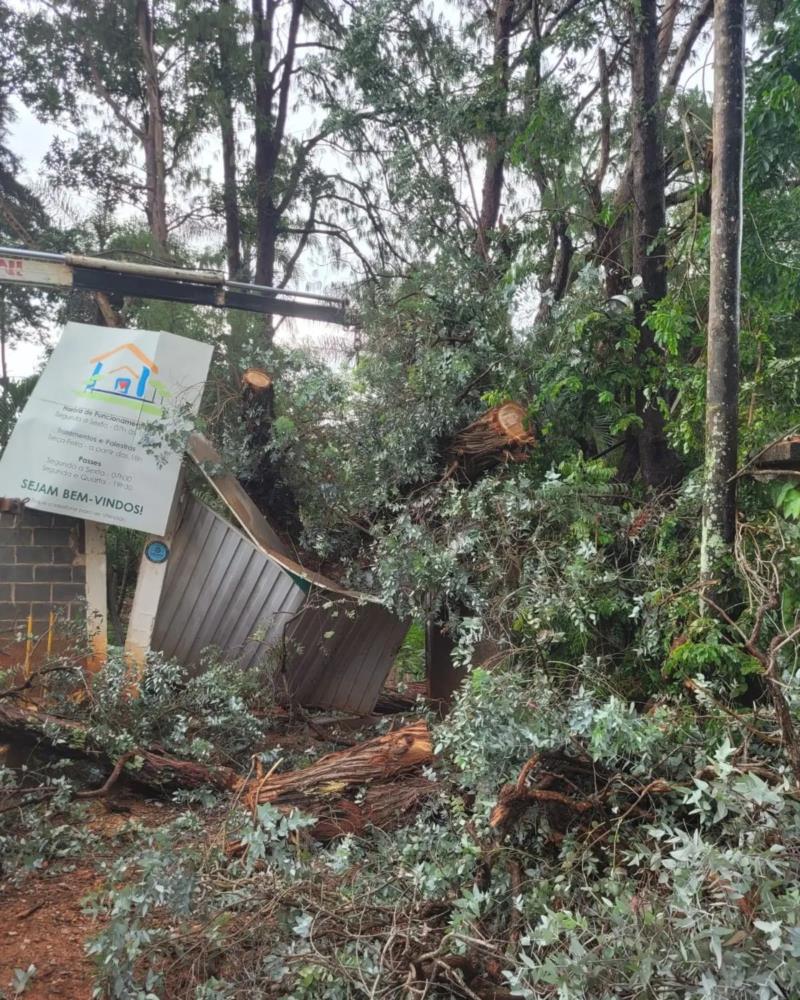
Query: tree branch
{"points": [[696, 26]]}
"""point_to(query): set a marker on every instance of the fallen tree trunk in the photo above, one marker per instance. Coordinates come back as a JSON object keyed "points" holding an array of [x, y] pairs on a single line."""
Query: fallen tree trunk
{"points": [[326, 790], [384, 807], [321, 790], [150, 767]]}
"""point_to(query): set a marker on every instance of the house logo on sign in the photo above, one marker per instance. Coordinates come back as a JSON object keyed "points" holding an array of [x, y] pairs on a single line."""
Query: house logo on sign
{"points": [[125, 376]]}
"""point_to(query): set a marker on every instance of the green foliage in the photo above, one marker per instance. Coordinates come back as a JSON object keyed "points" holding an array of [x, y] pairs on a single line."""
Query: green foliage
{"points": [[46, 826], [14, 397], [409, 663], [723, 661], [205, 715], [787, 500], [694, 897]]}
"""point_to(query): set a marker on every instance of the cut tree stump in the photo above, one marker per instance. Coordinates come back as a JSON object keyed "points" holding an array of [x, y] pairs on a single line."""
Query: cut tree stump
{"points": [[499, 435], [266, 485], [258, 404]]}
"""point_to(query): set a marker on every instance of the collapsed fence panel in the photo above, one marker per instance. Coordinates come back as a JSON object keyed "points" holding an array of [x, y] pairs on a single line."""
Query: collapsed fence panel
{"points": [[341, 655], [222, 591]]}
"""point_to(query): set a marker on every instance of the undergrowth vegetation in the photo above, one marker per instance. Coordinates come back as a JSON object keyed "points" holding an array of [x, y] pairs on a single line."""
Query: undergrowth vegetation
{"points": [[692, 892]]}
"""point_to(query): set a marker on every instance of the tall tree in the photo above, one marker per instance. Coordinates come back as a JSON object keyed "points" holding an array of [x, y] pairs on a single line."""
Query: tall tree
{"points": [[272, 79], [496, 141], [722, 372], [658, 463], [227, 69], [151, 130], [123, 63]]}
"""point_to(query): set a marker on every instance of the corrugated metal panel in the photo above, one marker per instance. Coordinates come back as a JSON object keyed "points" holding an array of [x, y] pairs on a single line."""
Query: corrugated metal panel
{"points": [[222, 591], [340, 656]]}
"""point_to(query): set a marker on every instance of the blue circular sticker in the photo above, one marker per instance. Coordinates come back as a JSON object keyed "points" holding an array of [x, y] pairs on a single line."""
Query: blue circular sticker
{"points": [[156, 552]]}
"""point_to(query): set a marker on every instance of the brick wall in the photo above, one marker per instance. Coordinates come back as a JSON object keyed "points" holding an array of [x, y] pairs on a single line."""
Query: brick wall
{"points": [[42, 569]]}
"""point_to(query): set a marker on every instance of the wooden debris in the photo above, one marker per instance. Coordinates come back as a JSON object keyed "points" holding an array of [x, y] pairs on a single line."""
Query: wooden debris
{"points": [[499, 435], [384, 807], [233, 494], [780, 455], [392, 702], [327, 788], [252, 521]]}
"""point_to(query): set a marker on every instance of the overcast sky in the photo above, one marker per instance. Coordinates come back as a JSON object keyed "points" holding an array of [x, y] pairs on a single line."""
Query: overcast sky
{"points": [[30, 140]]}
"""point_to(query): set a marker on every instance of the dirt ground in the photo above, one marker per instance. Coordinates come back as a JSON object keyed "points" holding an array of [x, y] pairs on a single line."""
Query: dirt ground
{"points": [[42, 921], [43, 925]]}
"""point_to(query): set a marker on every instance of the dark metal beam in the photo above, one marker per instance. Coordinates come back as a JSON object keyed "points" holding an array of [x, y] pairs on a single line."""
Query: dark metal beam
{"points": [[167, 289]]}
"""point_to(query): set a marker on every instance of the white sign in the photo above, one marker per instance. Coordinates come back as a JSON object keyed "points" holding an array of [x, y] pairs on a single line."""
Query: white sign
{"points": [[101, 436]]}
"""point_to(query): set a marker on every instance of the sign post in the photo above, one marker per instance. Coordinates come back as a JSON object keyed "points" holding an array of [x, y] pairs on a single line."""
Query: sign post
{"points": [[146, 598], [101, 437]]}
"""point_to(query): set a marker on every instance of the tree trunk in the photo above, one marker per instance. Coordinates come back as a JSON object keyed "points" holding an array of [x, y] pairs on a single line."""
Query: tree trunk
{"points": [[68, 738], [230, 193], [555, 279], [492, 191], [270, 124], [153, 139], [722, 373], [266, 484], [499, 435], [659, 465]]}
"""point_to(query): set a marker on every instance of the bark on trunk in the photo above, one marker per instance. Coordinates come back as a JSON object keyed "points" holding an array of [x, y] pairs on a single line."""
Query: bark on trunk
{"points": [[271, 108], [151, 768], [492, 190], [266, 485], [659, 465], [266, 230], [230, 193], [153, 138], [555, 280], [722, 372]]}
